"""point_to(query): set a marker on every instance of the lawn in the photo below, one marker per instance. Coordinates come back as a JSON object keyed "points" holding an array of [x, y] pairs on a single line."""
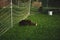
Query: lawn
{"points": [[48, 28]]}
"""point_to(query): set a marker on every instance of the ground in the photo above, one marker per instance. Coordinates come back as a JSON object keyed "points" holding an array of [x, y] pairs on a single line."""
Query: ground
{"points": [[48, 29]]}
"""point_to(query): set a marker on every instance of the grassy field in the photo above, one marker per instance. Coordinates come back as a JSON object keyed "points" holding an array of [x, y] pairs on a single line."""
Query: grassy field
{"points": [[48, 28]]}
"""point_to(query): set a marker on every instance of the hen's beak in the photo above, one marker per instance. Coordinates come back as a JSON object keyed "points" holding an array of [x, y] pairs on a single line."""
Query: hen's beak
{"points": [[36, 24]]}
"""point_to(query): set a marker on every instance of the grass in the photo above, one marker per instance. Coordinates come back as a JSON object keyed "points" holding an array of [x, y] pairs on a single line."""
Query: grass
{"points": [[48, 29]]}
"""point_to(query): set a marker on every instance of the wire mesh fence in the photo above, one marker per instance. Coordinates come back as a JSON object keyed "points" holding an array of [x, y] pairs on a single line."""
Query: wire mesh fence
{"points": [[12, 13]]}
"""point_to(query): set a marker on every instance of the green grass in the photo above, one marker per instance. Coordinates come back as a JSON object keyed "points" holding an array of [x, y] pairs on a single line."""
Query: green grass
{"points": [[48, 29]]}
